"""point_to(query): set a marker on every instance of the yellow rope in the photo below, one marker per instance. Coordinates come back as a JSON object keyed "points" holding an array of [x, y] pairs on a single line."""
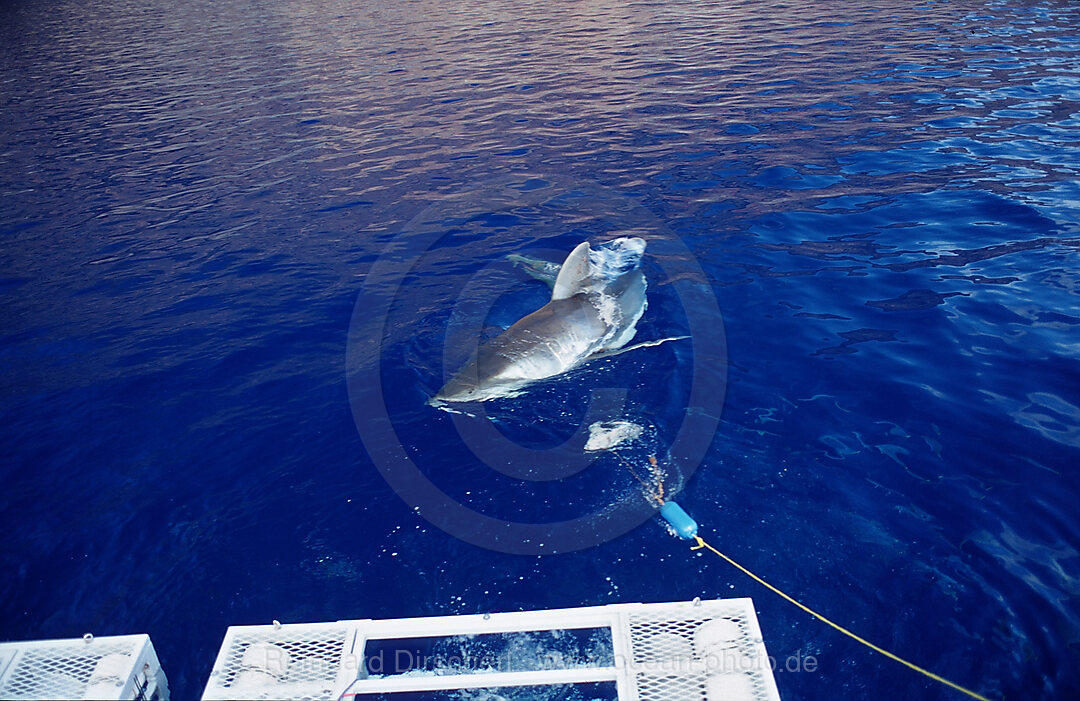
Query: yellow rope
{"points": [[702, 544], [657, 493]]}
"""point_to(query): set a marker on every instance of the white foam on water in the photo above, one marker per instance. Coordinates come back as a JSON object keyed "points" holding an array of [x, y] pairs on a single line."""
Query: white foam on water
{"points": [[611, 259], [605, 435], [610, 314]]}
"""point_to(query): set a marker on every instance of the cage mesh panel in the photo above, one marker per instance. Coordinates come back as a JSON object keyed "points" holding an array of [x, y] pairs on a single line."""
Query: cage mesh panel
{"points": [[60, 671], [685, 687], [314, 659], [674, 669]]}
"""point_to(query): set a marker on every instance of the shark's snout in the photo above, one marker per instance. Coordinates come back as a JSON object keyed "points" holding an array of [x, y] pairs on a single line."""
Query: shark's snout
{"points": [[444, 396]]}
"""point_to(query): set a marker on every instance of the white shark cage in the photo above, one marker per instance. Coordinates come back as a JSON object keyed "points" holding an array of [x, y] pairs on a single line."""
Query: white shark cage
{"points": [[116, 667], [686, 651]]}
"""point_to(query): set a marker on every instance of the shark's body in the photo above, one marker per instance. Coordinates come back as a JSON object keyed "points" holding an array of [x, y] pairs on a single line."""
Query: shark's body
{"points": [[597, 300]]}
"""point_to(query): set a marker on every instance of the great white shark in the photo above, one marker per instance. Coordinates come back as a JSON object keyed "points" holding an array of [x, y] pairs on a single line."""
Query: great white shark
{"points": [[596, 302]]}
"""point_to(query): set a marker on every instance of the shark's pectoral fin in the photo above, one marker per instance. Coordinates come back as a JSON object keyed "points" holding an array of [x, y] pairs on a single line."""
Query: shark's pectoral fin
{"points": [[643, 344]]}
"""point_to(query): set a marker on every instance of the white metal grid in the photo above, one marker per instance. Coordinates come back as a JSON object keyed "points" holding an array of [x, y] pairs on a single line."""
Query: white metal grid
{"points": [[689, 651], [116, 667], [708, 650], [297, 661]]}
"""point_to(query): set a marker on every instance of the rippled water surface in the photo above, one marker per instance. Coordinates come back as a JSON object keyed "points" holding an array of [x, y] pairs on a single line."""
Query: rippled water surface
{"points": [[880, 200]]}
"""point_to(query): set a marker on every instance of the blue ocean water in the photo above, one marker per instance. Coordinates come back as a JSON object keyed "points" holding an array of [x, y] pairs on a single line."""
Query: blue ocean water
{"points": [[241, 239]]}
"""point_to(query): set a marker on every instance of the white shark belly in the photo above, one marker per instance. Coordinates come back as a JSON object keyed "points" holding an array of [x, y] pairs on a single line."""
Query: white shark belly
{"points": [[545, 349]]}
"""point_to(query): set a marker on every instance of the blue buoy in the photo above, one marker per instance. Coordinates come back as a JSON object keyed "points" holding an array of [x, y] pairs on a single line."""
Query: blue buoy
{"points": [[678, 519]]}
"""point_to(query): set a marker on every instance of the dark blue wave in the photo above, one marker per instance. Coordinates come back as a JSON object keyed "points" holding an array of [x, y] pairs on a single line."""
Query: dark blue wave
{"points": [[882, 200]]}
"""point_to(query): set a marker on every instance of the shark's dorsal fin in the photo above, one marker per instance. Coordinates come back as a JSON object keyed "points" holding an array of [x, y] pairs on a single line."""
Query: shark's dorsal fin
{"points": [[574, 274]]}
